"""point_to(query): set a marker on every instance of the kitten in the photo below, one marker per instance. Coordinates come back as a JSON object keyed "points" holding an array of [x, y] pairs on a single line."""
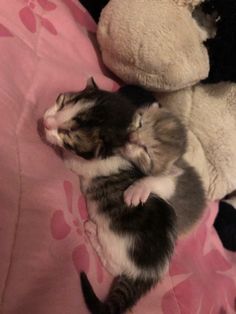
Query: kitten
{"points": [[134, 244], [159, 140], [157, 143]]}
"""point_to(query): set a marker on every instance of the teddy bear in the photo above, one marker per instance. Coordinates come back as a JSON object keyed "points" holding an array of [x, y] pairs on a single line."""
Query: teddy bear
{"points": [[219, 46], [153, 43], [159, 45]]}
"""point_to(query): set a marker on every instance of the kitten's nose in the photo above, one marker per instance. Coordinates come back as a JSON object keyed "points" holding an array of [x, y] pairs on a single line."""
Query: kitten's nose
{"points": [[50, 123]]}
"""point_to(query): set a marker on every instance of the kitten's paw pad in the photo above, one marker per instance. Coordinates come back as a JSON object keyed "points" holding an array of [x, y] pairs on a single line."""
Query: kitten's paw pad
{"points": [[136, 194]]}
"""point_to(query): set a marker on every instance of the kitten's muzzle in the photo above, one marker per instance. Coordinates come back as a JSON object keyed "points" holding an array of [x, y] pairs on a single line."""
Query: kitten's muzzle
{"points": [[50, 123]]}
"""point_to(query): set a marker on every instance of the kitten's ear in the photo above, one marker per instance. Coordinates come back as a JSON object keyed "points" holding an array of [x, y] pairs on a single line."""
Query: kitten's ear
{"points": [[60, 99], [91, 83], [135, 123]]}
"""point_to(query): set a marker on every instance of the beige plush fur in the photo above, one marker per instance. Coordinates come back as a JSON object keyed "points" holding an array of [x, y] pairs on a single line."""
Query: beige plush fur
{"points": [[191, 3], [209, 112], [158, 44], [153, 43]]}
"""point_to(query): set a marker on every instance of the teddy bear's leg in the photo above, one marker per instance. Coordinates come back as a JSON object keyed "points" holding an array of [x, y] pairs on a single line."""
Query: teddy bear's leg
{"points": [[231, 199], [94, 7], [193, 3], [225, 225]]}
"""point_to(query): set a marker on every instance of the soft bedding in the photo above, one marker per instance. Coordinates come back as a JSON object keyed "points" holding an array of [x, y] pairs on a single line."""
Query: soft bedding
{"points": [[47, 47]]}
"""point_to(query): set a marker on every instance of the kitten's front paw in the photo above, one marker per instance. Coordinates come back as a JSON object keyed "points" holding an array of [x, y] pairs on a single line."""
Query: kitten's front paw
{"points": [[129, 151], [136, 193], [69, 160], [74, 162]]}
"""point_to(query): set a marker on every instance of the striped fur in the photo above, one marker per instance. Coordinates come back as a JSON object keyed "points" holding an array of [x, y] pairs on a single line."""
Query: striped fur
{"points": [[136, 242]]}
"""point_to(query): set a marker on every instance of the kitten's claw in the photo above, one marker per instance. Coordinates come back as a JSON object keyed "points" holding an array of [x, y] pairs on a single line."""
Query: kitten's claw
{"points": [[136, 193], [90, 227]]}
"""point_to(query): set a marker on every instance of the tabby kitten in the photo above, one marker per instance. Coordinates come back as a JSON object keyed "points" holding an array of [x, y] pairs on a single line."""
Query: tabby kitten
{"points": [[157, 143], [134, 243]]}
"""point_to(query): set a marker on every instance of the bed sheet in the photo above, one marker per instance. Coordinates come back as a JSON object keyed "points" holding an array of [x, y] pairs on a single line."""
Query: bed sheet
{"points": [[47, 47]]}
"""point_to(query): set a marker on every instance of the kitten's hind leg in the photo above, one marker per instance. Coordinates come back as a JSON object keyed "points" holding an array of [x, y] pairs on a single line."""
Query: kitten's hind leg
{"points": [[91, 232]]}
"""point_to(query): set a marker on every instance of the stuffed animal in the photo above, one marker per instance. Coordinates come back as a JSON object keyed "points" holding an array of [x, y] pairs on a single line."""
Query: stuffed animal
{"points": [[220, 46], [160, 46], [209, 114], [153, 43]]}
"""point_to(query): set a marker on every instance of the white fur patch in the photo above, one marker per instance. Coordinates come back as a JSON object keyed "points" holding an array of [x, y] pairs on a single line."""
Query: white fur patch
{"points": [[113, 249], [94, 168], [163, 186], [61, 117]]}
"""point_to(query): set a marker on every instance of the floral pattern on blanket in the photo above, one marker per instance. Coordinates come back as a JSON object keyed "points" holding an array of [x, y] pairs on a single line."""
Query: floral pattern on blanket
{"points": [[30, 14], [4, 32], [71, 220], [201, 278], [204, 268], [43, 245]]}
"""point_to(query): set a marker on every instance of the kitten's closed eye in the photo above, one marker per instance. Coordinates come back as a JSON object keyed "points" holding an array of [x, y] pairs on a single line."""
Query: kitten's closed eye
{"points": [[63, 131]]}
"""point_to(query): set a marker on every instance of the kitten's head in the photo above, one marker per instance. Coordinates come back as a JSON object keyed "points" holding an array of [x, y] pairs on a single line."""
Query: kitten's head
{"points": [[158, 139], [90, 123]]}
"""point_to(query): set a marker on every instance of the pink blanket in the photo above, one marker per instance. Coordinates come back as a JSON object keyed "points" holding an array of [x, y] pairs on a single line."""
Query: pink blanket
{"points": [[47, 47]]}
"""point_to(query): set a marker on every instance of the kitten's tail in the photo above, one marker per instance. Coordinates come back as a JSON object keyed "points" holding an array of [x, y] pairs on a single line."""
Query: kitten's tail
{"points": [[124, 293]]}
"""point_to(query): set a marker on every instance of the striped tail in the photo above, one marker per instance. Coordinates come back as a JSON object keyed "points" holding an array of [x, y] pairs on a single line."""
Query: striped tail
{"points": [[125, 292]]}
